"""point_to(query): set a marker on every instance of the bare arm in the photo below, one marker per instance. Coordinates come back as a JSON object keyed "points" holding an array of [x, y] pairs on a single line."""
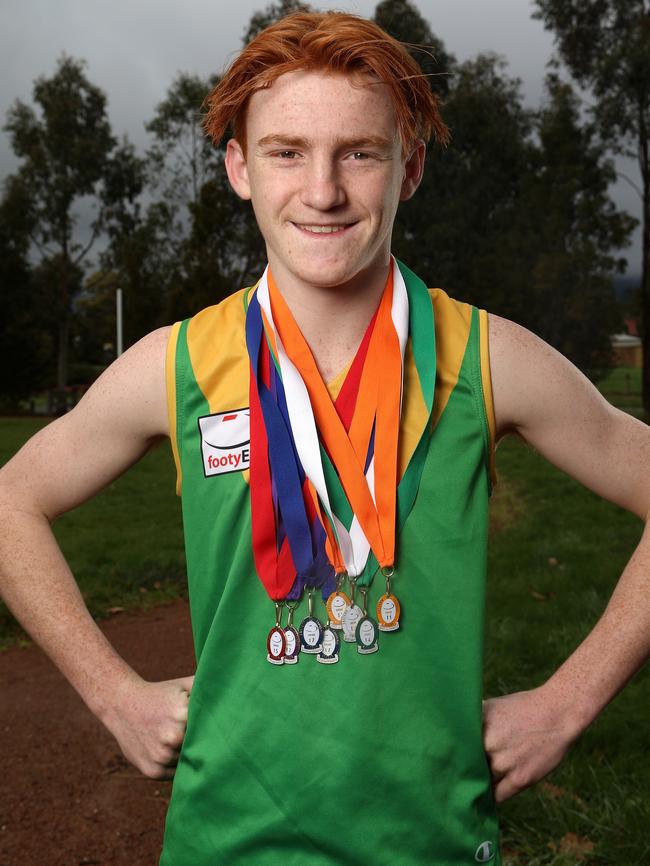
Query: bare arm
{"points": [[541, 396], [70, 460]]}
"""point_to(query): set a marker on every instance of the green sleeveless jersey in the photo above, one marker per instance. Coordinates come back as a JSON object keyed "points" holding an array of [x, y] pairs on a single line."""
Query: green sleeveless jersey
{"points": [[377, 760]]}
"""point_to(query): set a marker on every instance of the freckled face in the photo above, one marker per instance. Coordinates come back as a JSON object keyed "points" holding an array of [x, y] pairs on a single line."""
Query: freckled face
{"points": [[325, 173]]}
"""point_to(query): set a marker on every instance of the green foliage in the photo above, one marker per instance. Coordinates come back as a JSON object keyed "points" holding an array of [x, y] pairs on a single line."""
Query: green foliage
{"points": [[64, 150], [212, 242], [272, 13], [181, 157], [403, 21], [24, 309], [223, 252], [514, 215], [449, 229], [605, 44], [133, 261], [565, 235]]}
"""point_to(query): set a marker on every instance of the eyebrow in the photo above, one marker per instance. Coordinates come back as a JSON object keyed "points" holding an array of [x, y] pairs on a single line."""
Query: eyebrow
{"points": [[360, 143]]}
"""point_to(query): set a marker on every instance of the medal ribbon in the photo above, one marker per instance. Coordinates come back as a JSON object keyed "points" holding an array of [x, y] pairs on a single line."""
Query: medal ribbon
{"points": [[286, 527], [371, 496], [345, 538]]}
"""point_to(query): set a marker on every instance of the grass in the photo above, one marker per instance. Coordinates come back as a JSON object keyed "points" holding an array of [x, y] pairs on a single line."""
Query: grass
{"points": [[556, 551], [125, 546], [622, 387], [553, 563]]}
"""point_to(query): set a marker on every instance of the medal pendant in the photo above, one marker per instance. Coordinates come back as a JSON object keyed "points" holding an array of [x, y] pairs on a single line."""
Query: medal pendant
{"points": [[329, 654], [276, 645], [311, 635], [351, 617], [292, 645], [336, 605], [366, 636], [388, 611]]}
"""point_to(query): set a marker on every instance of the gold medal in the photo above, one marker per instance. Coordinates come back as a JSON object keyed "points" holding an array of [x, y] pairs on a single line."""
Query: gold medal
{"points": [[388, 607], [388, 611], [336, 605]]}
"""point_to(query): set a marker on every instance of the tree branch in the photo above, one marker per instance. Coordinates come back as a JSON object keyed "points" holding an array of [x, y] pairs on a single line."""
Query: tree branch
{"points": [[43, 248], [637, 189], [92, 240]]}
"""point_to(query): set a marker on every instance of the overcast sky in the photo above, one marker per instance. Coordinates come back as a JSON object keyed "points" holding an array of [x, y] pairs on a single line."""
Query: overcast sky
{"points": [[134, 48]]}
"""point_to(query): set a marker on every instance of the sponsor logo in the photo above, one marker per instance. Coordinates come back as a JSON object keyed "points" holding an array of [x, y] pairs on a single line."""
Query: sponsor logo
{"points": [[225, 441], [485, 852]]}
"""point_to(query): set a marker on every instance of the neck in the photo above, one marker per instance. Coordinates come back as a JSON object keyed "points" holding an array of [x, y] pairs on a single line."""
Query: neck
{"points": [[333, 319]]}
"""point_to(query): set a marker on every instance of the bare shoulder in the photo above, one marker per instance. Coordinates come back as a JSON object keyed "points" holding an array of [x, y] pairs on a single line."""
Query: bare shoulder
{"points": [[138, 376], [130, 396], [121, 416], [540, 395], [533, 383]]}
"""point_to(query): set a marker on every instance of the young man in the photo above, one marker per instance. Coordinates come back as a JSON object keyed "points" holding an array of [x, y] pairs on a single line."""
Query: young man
{"points": [[333, 431]]}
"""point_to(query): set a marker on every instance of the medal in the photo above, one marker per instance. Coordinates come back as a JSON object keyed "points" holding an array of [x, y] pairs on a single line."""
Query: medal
{"points": [[351, 616], [329, 654], [334, 480], [292, 638], [366, 631], [388, 607], [357, 500], [276, 641], [311, 630], [336, 605]]}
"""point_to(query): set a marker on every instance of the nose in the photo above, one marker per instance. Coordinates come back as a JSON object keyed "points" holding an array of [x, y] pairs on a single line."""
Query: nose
{"points": [[322, 188]]}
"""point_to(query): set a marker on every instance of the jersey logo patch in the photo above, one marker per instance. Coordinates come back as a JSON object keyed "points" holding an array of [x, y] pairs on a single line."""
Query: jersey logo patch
{"points": [[485, 852], [225, 441]]}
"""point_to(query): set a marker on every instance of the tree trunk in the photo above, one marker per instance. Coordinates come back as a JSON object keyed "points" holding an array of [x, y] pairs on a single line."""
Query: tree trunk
{"points": [[644, 160], [645, 303], [62, 365], [64, 330]]}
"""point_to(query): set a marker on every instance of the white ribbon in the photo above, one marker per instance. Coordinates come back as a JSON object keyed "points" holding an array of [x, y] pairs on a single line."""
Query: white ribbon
{"points": [[353, 543]]}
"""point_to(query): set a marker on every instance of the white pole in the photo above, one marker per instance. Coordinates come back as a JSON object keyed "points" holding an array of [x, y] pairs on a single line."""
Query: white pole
{"points": [[118, 304]]}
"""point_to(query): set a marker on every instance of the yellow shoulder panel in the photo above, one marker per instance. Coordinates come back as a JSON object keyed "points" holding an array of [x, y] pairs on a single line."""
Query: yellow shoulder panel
{"points": [[453, 320], [486, 380], [216, 344], [170, 377], [216, 341]]}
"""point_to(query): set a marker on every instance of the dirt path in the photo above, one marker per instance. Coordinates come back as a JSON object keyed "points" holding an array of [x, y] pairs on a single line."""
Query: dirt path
{"points": [[67, 796]]}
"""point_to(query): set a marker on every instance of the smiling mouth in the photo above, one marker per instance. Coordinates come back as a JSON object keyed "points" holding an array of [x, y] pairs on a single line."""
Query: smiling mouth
{"points": [[316, 229]]}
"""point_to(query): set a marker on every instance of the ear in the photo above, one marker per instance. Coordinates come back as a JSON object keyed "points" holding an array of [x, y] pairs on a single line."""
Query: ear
{"points": [[237, 170], [413, 171]]}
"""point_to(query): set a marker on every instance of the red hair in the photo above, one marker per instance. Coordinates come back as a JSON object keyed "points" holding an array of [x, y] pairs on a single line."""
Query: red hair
{"points": [[334, 42]]}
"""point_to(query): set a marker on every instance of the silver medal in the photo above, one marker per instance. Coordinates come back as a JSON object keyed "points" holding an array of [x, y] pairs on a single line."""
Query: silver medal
{"points": [[351, 616]]}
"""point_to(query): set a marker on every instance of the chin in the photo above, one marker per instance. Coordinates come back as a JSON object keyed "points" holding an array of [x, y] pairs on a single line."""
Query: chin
{"points": [[328, 276]]}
